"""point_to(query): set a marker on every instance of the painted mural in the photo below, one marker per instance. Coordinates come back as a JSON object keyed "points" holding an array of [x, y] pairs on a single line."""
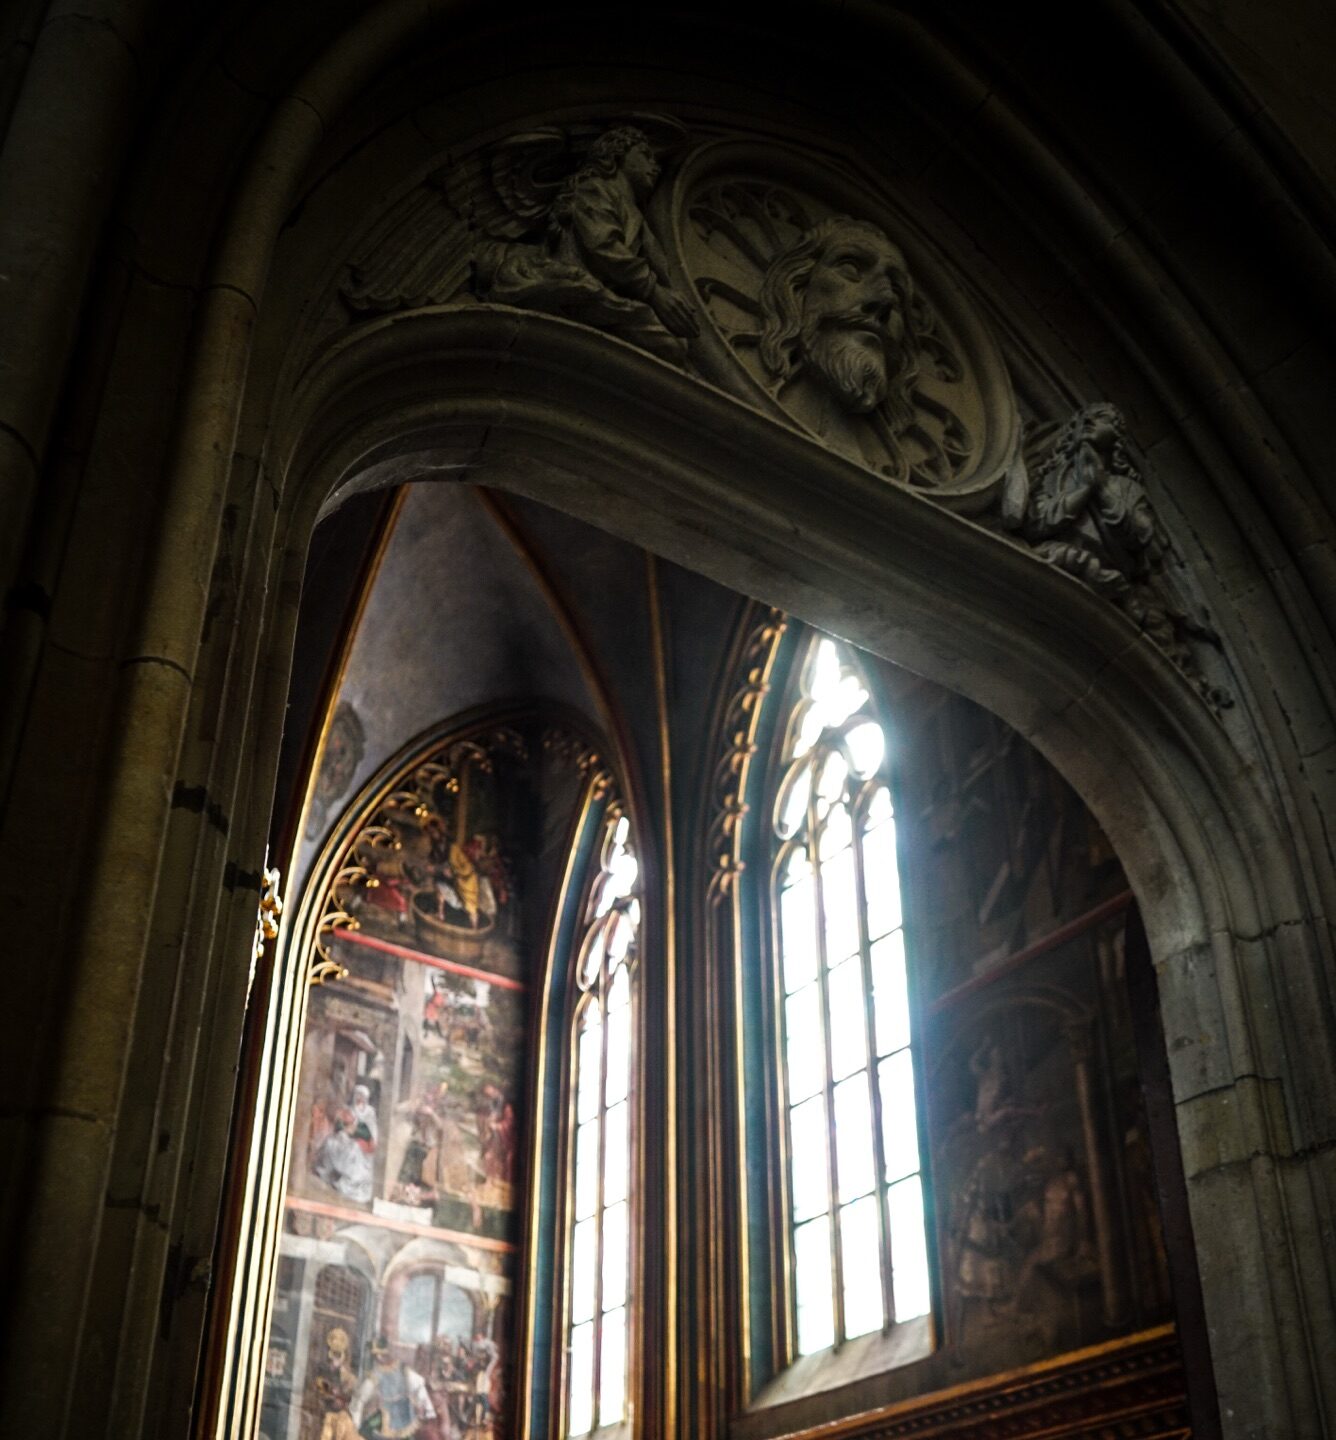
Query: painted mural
{"points": [[394, 1313], [1049, 1235]]}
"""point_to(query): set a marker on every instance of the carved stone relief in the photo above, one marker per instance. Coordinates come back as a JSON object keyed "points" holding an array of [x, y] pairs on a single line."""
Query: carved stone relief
{"points": [[1083, 508], [549, 220], [830, 322], [797, 288]]}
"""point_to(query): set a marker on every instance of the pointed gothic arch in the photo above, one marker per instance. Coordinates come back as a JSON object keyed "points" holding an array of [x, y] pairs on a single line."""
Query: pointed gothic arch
{"points": [[1219, 847]]}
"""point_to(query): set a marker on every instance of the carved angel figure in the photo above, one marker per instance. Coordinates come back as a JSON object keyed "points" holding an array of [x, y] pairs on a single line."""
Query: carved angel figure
{"points": [[596, 259]]}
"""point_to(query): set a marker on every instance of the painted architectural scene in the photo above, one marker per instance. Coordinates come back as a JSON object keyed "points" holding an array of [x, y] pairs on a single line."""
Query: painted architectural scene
{"points": [[1049, 1235], [1004, 851], [394, 1312], [1048, 1229]]}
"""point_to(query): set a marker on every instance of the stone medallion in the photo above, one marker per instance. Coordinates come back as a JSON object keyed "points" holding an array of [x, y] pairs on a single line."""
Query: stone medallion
{"points": [[822, 304]]}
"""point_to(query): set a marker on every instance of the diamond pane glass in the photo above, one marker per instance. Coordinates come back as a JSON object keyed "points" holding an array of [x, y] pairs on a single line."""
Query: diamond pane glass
{"points": [[853, 1137], [890, 992], [848, 1019], [811, 1274], [899, 1123], [909, 1250], [860, 1244], [807, 1157], [805, 1049], [417, 1309]]}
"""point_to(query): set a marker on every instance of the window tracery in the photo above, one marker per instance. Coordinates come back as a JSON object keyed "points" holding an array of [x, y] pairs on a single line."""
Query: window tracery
{"points": [[855, 1199], [600, 1209]]}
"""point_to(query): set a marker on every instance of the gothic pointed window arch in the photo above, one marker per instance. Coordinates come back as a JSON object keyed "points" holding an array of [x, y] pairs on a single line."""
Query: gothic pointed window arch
{"points": [[600, 1221], [411, 1230], [854, 1198]]}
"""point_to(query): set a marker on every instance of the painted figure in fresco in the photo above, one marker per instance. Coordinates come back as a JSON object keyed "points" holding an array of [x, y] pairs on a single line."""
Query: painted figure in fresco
{"points": [[837, 325], [335, 1385], [436, 1012], [1062, 1256], [485, 1358], [364, 1118], [441, 1155], [342, 1163], [981, 1235], [473, 890], [497, 1127], [392, 1403], [344, 1158], [599, 262], [993, 1103]]}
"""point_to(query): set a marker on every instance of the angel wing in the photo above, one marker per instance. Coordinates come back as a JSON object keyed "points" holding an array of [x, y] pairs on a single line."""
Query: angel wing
{"points": [[506, 190], [420, 252]]}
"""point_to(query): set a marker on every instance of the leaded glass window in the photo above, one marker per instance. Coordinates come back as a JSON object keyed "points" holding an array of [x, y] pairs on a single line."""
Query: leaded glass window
{"points": [[855, 1196], [598, 1290]]}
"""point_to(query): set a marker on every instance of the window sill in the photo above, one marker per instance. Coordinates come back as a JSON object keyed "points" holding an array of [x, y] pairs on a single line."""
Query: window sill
{"points": [[830, 1370]]}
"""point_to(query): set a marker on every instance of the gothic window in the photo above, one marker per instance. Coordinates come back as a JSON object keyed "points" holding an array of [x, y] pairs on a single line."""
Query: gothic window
{"points": [[855, 1221], [600, 1212]]}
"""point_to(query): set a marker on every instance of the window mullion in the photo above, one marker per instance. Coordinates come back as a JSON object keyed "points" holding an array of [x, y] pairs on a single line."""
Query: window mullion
{"points": [[874, 1080], [597, 1367], [823, 969]]}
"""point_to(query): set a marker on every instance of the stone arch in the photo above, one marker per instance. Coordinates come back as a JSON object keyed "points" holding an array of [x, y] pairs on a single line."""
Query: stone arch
{"points": [[1246, 921]]}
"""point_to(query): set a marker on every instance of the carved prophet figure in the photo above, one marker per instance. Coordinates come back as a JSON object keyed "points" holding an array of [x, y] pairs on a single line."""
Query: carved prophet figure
{"points": [[1088, 513], [843, 345], [835, 313]]}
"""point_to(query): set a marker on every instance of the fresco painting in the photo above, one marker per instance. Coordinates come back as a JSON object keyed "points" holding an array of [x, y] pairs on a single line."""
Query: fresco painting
{"points": [[394, 1313], [1048, 1230]]}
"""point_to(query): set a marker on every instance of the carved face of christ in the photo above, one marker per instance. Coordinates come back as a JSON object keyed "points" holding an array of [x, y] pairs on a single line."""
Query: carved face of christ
{"points": [[853, 322]]}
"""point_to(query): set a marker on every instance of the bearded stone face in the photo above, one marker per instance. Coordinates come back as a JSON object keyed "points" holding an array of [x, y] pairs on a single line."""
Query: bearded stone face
{"points": [[853, 332]]}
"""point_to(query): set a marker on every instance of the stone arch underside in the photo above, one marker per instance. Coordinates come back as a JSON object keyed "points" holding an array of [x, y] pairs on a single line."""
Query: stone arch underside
{"points": [[545, 408]]}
